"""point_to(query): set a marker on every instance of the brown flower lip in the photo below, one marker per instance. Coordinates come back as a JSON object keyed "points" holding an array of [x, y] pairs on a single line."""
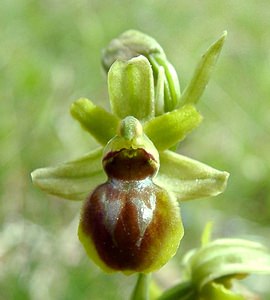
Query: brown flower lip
{"points": [[130, 225], [130, 164]]}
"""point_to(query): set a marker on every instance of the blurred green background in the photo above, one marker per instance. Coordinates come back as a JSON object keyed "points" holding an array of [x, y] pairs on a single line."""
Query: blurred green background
{"points": [[50, 56]]}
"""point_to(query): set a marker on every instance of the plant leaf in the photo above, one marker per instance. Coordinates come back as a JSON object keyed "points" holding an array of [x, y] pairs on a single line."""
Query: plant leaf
{"points": [[72, 180], [131, 88], [168, 129], [101, 124], [189, 179], [214, 291], [182, 291], [228, 257], [203, 72]]}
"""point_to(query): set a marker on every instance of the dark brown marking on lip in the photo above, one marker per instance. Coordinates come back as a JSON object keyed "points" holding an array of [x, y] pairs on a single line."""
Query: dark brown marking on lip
{"points": [[129, 164], [118, 247]]}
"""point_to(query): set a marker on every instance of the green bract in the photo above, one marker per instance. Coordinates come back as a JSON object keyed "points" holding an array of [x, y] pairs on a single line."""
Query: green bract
{"points": [[132, 181], [210, 271]]}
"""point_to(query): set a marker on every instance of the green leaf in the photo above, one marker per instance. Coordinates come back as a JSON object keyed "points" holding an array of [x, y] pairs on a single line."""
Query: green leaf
{"points": [[181, 291], [227, 257], [72, 180], [168, 129], [101, 124], [203, 72], [189, 179], [215, 291], [131, 88]]}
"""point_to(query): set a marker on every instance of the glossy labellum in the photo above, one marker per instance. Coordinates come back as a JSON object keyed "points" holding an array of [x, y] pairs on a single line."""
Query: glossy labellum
{"points": [[129, 223]]}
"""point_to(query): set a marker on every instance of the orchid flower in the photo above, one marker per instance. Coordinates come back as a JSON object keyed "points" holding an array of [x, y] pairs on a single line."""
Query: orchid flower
{"points": [[133, 183]]}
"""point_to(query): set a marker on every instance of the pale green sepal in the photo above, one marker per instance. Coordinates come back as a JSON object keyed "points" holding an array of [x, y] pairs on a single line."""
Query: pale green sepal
{"points": [[227, 257], [168, 129], [72, 180], [131, 88], [171, 82], [203, 72], [189, 179], [101, 124], [215, 291]]}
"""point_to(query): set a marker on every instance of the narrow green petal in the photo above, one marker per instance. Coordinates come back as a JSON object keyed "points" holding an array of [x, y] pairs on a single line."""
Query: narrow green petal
{"points": [[228, 257], [168, 129], [159, 92], [189, 179], [101, 124], [72, 180], [203, 72], [131, 88]]}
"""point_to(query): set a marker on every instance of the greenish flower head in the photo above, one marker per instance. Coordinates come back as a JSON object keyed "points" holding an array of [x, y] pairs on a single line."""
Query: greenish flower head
{"points": [[133, 183]]}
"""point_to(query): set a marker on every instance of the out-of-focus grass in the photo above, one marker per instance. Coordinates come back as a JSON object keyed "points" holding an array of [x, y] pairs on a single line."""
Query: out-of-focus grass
{"points": [[50, 56]]}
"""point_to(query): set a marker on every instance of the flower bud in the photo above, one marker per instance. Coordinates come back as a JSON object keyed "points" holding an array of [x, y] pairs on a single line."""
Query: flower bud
{"points": [[133, 43], [129, 44], [128, 223]]}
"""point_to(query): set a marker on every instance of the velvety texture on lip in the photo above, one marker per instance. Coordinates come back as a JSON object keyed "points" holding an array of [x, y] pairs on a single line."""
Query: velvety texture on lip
{"points": [[133, 225], [129, 223]]}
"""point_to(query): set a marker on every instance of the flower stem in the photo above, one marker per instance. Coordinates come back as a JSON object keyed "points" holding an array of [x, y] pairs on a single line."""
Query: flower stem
{"points": [[141, 290]]}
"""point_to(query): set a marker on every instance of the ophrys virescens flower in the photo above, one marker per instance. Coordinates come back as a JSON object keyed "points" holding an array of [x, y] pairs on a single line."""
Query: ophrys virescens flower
{"points": [[131, 221]]}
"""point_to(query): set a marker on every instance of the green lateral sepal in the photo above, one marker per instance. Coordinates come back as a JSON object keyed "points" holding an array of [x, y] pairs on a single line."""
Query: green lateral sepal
{"points": [[189, 179], [72, 180]]}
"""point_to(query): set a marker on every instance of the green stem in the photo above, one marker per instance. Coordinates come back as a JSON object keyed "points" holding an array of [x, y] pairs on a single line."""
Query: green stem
{"points": [[141, 290]]}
